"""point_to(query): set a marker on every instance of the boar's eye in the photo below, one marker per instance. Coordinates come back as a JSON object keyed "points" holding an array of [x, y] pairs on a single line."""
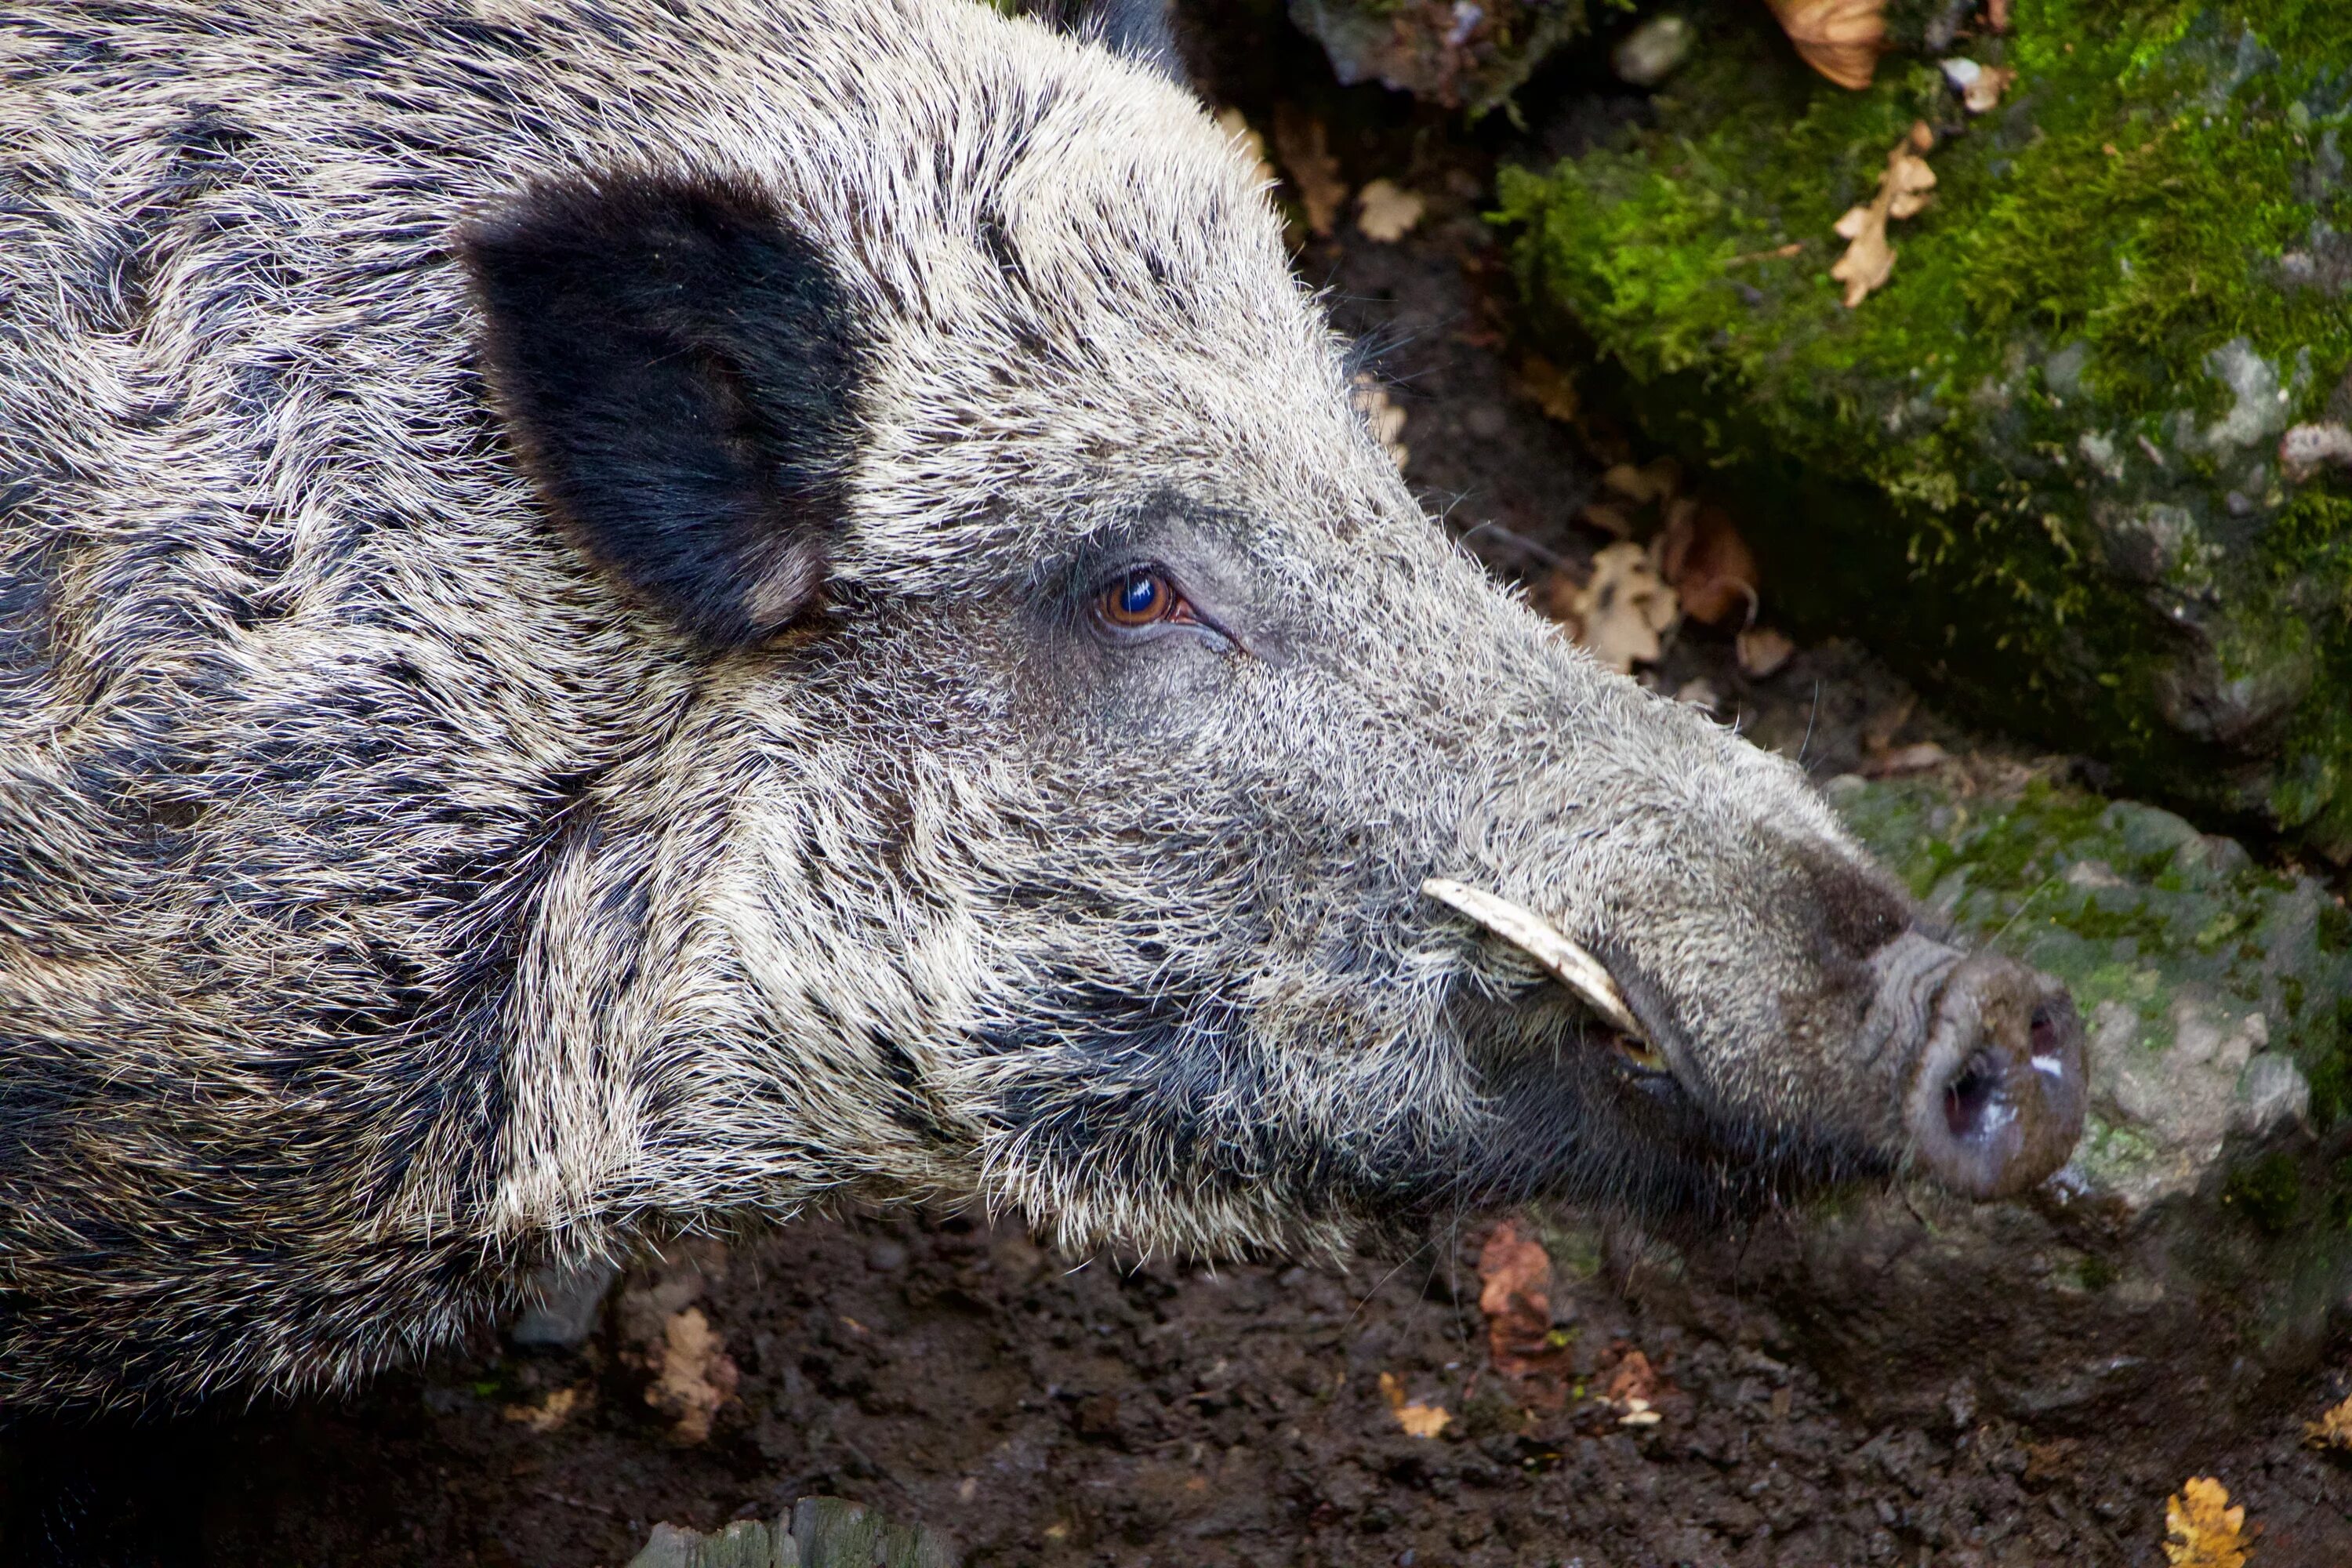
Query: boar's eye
{"points": [[1143, 597]]}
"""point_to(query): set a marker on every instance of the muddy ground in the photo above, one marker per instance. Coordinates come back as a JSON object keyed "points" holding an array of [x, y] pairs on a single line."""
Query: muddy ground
{"points": [[1037, 1412], [1040, 1413]]}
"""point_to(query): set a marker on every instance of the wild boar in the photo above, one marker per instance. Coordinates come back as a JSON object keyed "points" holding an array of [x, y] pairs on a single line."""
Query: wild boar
{"points": [[621, 616]]}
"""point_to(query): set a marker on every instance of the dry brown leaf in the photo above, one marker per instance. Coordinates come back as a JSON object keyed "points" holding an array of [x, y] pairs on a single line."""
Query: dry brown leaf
{"points": [[2332, 1430], [1626, 608], [1761, 651], [1385, 418], [693, 1377], [1236, 126], [561, 1406], [1305, 147], [2201, 1529], [1418, 1420], [1840, 38], [1515, 1293], [1983, 95], [1653, 481], [1904, 189], [1634, 1378], [1550, 386], [1707, 565], [1386, 211]]}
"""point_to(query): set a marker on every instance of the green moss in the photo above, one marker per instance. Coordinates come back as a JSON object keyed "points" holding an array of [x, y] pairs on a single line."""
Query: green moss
{"points": [[2269, 1192], [2013, 461], [2323, 1043]]}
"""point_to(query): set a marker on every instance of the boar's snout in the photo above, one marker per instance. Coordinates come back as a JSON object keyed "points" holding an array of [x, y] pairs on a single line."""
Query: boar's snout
{"points": [[1996, 1103]]}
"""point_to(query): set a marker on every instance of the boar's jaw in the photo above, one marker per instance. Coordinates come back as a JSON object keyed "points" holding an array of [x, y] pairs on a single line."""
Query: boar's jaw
{"points": [[1566, 961]]}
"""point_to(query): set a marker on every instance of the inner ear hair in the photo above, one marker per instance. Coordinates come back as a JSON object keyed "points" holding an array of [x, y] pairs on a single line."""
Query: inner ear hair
{"points": [[677, 365]]}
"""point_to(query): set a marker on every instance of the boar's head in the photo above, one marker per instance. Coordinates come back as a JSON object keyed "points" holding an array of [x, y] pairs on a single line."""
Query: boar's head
{"points": [[1128, 807]]}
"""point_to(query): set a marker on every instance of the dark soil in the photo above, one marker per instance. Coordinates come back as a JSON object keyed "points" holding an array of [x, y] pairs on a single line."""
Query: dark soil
{"points": [[1033, 1411], [1040, 1413]]}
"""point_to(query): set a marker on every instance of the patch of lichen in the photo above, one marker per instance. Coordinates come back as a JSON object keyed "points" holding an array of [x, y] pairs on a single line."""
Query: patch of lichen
{"points": [[1948, 460]]}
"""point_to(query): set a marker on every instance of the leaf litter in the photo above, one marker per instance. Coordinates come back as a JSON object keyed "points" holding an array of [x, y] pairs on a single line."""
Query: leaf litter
{"points": [[1905, 189]]}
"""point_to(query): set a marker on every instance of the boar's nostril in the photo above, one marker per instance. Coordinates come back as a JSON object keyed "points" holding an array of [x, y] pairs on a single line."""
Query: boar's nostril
{"points": [[1996, 1102], [1967, 1096]]}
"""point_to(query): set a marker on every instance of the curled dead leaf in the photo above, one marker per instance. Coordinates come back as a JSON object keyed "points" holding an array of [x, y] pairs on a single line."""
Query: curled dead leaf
{"points": [[1707, 565], [1418, 1420], [1982, 96], [1386, 211], [2201, 1529], [1840, 38], [1626, 608], [1304, 145]]}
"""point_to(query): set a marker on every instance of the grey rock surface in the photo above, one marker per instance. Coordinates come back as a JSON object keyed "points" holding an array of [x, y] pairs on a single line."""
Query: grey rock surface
{"points": [[819, 1532], [2199, 1245]]}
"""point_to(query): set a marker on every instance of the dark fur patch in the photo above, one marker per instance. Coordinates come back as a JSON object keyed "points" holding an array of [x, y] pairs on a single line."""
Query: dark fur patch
{"points": [[679, 369]]}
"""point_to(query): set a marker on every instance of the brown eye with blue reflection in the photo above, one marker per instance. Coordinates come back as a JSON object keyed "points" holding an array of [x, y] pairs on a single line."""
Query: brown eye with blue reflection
{"points": [[1143, 598]]}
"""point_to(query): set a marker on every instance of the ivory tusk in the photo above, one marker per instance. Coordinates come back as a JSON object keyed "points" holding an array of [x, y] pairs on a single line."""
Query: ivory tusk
{"points": [[1530, 933]]}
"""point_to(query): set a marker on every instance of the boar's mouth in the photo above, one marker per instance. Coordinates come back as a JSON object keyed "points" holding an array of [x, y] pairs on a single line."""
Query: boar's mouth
{"points": [[1565, 961]]}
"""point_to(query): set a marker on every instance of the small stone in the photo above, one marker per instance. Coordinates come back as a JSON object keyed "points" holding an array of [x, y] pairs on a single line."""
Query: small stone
{"points": [[885, 1256], [1653, 51], [2272, 1094], [566, 1305]]}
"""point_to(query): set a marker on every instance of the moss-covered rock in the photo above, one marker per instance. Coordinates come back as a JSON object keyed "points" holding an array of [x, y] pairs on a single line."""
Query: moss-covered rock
{"points": [[2200, 1244], [1457, 53], [2041, 465]]}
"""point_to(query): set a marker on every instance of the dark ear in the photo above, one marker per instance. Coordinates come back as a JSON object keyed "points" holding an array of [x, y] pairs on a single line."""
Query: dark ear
{"points": [[679, 369], [1140, 30]]}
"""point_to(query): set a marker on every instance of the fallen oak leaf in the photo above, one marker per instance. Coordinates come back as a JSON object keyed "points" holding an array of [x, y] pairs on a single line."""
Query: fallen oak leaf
{"points": [[1904, 189], [1417, 1420], [2332, 1430], [1840, 38], [2201, 1529], [1386, 211], [1626, 608], [694, 1376]]}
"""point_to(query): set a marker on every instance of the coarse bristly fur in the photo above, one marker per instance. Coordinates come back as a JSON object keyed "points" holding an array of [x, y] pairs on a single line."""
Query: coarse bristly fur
{"points": [[461, 808]]}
